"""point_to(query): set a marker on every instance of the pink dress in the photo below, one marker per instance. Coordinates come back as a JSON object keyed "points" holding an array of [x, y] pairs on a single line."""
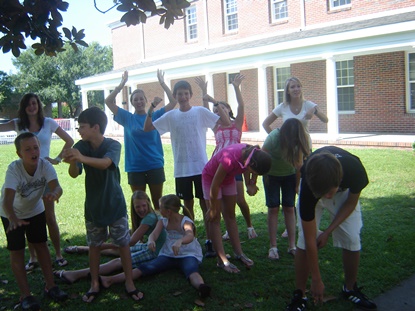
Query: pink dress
{"points": [[226, 136]]}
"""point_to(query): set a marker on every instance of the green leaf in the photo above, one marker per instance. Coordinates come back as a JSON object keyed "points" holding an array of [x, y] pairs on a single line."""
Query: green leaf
{"points": [[81, 42], [67, 33], [62, 6]]}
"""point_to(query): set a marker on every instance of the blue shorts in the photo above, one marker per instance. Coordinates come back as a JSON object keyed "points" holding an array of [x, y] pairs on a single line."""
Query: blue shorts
{"points": [[118, 231], [188, 265], [184, 187], [35, 232], [151, 177], [239, 177], [276, 185]]}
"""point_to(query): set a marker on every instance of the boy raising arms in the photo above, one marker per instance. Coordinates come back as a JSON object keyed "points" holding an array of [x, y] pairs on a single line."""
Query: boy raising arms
{"points": [[187, 126], [331, 179], [23, 213], [105, 205]]}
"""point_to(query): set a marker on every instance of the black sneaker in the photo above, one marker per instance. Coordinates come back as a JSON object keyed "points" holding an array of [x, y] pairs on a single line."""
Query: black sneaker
{"points": [[210, 253], [298, 302], [56, 294], [30, 303], [358, 298]]}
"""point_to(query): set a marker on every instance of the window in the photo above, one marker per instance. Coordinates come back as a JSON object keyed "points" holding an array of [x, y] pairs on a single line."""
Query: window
{"points": [[345, 85], [191, 23], [411, 75], [281, 75], [337, 4], [231, 15], [278, 10]]}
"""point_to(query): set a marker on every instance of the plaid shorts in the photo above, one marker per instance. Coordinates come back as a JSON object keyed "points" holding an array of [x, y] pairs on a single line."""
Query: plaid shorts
{"points": [[140, 254]]}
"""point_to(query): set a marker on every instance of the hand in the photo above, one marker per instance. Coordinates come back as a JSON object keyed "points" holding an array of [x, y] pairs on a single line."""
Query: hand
{"points": [[176, 247], [160, 76], [14, 223], [238, 80], [309, 114], [124, 79], [317, 290], [211, 214], [52, 161], [208, 98], [51, 196], [156, 101], [252, 190], [322, 239], [151, 246], [202, 84], [71, 155]]}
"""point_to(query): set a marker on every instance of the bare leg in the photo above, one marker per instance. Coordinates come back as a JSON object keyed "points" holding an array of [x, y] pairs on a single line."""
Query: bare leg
{"points": [[196, 279], [289, 218], [215, 235], [125, 255], [272, 221], [301, 269], [243, 205], [107, 281], [228, 211], [94, 257], [17, 265], [351, 266], [156, 192], [53, 227], [45, 263], [32, 252], [203, 206], [189, 205]]}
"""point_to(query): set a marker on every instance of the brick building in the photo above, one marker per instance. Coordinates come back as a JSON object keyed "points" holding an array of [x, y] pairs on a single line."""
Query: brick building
{"points": [[355, 58]]}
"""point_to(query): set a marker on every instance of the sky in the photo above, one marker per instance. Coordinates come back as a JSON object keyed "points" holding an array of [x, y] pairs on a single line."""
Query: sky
{"points": [[82, 15]]}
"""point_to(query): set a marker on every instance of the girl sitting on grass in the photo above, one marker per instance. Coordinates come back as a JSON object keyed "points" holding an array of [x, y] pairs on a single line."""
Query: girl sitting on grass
{"points": [[147, 220], [181, 249]]}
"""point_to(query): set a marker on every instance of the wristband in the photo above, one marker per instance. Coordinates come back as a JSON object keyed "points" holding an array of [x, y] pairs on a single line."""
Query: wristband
{"points": [[149, 113], [217, 104], [152, 105]]}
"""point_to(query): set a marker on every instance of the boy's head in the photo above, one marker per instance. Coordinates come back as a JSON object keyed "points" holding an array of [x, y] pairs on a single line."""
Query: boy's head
{"points": [[94, 116], [182, 86], [27, 147], [324, 174]]}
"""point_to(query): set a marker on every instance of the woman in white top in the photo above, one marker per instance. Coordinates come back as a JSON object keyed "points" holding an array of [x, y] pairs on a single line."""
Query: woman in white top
{"points": [[294, 106], [31, 119]]}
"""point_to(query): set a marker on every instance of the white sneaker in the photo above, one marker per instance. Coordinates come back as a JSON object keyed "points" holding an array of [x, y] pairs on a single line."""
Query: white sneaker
{"points": [[225, 236], [251, 233], [273, 253]]}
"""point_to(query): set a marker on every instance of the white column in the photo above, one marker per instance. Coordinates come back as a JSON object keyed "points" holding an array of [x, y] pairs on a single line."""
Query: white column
{"points": [[262, 96], [332, 106], [108, 112], [84, 100]]}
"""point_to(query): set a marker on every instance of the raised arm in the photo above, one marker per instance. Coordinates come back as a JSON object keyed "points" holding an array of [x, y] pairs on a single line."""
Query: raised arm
{"points": [[203, 86], [268, 121], [110, 100], [172, 101], [239, 119], [148, 123]]}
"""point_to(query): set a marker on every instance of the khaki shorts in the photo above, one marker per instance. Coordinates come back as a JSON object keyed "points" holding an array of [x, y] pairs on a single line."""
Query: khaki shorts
{"points": [[347, 234]]}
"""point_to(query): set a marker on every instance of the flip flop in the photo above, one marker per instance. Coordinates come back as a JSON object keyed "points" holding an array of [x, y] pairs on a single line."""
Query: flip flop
{"points": [[60, 274], [61, 262], [228, 267], [89, 295], [135, 292]]}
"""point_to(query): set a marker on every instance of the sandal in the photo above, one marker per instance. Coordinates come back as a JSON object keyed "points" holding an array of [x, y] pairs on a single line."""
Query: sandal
{"points": [[273, 253], [61, 262], [251, 233], [228, 267], [245, 260], [60, 274], [88, 295], [29, 303], [75, 250], [56, 294], [31, 266], [292, 251], [136, 293]]}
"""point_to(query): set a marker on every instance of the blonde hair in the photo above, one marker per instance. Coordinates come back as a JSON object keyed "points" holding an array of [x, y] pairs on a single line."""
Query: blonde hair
{"points": [[287, 96], [135, 218]]}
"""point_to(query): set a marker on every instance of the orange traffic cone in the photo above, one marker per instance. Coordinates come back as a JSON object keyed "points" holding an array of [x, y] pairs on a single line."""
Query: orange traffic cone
{"points": [[244, 125]]}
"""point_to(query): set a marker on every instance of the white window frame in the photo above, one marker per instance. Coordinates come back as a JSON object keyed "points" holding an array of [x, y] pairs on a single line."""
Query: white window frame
{"points": [[191, 23], [339, 4], [348, 85], [280, 80], [274, 4], [230, 8], [410, 82]]}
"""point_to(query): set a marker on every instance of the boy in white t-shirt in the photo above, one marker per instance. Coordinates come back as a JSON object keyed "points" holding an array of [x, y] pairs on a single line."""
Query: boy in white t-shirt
{"points": [[23, 214], [187, 126]]}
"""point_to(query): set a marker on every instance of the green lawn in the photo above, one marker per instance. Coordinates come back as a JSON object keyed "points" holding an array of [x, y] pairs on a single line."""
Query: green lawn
{"points": [[388, 238]]}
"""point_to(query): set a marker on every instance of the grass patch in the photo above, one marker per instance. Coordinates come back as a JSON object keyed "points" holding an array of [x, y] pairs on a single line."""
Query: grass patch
{"points": [[388, 205]]}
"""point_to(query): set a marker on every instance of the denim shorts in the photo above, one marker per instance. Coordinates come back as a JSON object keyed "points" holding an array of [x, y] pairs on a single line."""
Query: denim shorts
{"points": [[275, 186], [188, 265], [118, 231]]}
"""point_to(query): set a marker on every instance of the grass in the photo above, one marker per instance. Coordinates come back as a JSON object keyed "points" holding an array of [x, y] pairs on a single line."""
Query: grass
{"points": [[387, 236]]}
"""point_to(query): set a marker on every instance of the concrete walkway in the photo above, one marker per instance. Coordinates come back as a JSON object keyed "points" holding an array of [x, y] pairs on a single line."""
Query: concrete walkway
{"points": [[399, 298]]}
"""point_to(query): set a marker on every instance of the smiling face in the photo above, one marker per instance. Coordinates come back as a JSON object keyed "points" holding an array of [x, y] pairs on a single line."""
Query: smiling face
{"points": [[32, 107], [295, 89], [183, 97], [139, 101], [29, 152], [141, 207], [86, 131]]}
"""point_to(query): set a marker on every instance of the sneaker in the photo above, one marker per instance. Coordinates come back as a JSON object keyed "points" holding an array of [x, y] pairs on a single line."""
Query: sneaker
{"points": [[30, 303], [298, 302], [358, 298], [225, 236], [251, 233], [210, 253], [56, 294]]}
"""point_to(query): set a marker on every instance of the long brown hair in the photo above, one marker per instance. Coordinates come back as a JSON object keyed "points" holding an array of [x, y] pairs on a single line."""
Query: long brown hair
{"points": [[294, 141], [135, 218], [24, 122]]}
